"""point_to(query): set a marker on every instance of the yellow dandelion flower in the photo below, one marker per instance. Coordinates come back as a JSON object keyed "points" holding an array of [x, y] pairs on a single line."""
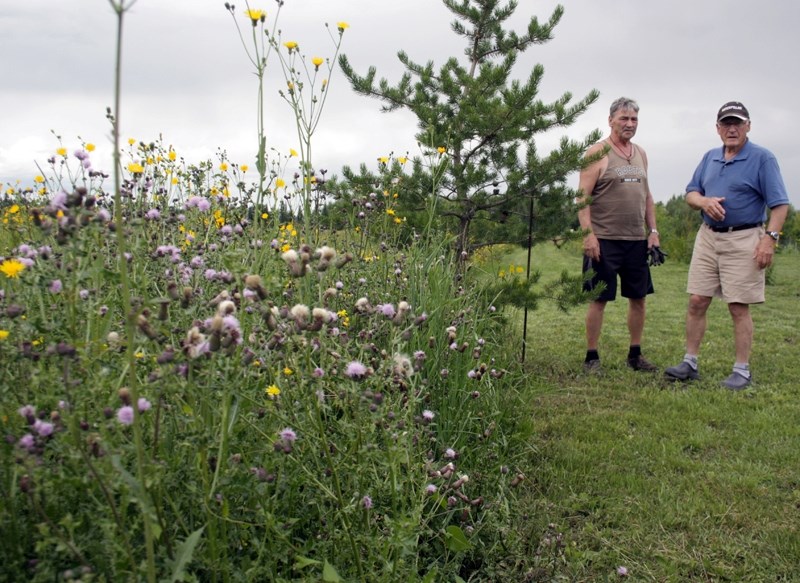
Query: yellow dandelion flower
{"points": [[255, 15], [273, 391], [135, 168], [149, 160], [317, 61], [172, 155], [342, 26], [395, 195], [11, 268], [287, 371], [4, 334], [519, 269], [139, 354], [131, 141], [244, 167], [502, 273], [390, 212], [264, 216], [59, 214], [293, 232], [61, 152], [293, 152], [402, 159], [223, 167], [174, 181], [441, 149], [285, 247], [90, 147], [38, 179], [290, 85], [10, 190], [397, 220], [383, 159], [291, 45], [14, 209]]}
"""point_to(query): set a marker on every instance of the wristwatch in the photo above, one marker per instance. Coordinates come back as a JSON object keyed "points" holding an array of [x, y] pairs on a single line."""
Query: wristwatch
{"points": [[774, 234], [654, 231]]}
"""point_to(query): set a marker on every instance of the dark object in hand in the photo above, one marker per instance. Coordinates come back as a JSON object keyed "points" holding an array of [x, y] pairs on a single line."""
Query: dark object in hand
{"points": [[655, 256]]}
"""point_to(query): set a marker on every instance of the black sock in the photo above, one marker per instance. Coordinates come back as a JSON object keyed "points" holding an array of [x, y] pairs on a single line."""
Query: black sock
{"points": [[591, 355], [634, 351]]}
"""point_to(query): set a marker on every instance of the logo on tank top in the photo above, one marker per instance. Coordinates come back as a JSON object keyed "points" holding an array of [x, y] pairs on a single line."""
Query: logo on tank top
{"points": [[629, 173]]}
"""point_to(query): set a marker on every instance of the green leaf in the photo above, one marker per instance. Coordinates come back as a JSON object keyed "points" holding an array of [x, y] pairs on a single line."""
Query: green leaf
{"points": [[184, 553], [329, 573], [455, 539], [302, 562], [431, 576]]}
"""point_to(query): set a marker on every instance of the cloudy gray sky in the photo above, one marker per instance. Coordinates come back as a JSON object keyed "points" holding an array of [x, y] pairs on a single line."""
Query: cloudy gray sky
{"points": [[186, 76]]}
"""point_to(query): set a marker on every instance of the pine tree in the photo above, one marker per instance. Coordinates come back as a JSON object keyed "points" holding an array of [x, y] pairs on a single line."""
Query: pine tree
{"points": [[487, 120]]}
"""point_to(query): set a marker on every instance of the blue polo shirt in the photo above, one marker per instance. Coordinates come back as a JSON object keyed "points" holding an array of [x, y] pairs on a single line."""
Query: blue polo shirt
{"points": [[750, 182]]}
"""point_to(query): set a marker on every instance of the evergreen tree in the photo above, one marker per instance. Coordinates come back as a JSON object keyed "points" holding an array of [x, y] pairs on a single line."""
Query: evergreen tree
{"points": [[487, 121]]}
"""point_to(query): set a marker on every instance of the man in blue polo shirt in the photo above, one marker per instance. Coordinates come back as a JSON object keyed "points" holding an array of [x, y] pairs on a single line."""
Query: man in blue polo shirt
{"points": [[732, 188]]}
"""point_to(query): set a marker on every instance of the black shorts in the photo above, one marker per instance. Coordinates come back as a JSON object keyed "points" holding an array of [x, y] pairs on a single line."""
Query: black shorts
{"points": [[626, 259]]}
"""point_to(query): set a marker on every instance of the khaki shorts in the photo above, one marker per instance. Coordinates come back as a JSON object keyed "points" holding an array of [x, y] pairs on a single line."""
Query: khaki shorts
{"points": [[723, 266]]}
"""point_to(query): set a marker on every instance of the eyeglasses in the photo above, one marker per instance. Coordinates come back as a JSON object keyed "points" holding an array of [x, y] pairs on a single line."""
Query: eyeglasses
{"points": [[731, 122]]}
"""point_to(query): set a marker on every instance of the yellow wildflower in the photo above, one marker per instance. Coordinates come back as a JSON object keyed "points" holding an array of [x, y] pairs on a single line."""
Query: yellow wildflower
{"points": [[14, 209], [397, 220], [131, 141], [172, 155], [402, 159], [291, 45], [441, 149], [280, 183], [135, 168], [383, 159], [273, 391], [264, 216], [38, 179], [174, 180], [4, 334], [390, 212], [317, 61], [342, 26], [11, 268], [292, 152], [244, 167], [61, 152], [223, 167], [255, 15], [287, 371], [90, 147]]}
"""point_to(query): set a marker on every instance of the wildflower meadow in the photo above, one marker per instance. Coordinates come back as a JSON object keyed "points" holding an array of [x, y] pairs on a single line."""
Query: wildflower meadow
{"points": [[209, 375]]}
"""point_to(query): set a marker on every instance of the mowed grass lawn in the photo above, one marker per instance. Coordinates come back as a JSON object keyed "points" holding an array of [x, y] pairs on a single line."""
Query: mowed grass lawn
{"points": [[673, 482]]}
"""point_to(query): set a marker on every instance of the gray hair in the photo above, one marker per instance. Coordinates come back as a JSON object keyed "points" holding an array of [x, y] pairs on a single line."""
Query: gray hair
{"points": [[623, 103]]}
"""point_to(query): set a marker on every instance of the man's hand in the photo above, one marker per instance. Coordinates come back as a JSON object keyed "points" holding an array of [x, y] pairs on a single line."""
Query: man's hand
{"points": [[591, 247], [653, 241], [712, 207], [764, 252], [655, 256]]}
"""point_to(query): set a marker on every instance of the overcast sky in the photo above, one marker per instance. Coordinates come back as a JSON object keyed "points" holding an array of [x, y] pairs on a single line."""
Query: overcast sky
{"points": [[186, 76]]}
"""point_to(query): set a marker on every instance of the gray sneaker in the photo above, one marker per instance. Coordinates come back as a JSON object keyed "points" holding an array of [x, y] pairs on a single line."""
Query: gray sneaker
{"points": [[682, 372], [737, 382], [592, 366]]}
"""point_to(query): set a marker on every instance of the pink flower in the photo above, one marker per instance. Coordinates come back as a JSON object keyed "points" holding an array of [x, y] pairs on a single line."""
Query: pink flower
{"points": [[355, 370], [143, 404], [26, 441], [43, 428], [428, 415], [56, 286], [366, 502], [287, 435], [431, 489], [125, 415]]}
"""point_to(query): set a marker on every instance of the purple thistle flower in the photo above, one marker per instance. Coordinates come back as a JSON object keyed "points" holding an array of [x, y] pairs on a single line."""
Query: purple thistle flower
{"points": [[103, 215], [125, 415], [81, 155], [27, 441], [56, 286], [366, 502], [287, 435], [622, 571], [428, 415], [355, 370], [143, 404], [27, 411], [152, 214], [431, 489], [84, 294], [450, 453], [43, 428], [318, 373], [387, 310]]}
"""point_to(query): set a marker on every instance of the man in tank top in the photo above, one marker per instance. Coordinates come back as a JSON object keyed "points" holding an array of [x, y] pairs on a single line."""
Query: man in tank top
{"points": [[620, 225]]}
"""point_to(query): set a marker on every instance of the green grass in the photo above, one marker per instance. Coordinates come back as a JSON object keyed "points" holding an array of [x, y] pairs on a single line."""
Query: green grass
{"points": [[675, 482]]}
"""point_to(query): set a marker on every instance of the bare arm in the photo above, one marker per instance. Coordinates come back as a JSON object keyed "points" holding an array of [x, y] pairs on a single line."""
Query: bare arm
{"points": [[710, 205], [586, 183], [650, 214], [765, 250]]}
